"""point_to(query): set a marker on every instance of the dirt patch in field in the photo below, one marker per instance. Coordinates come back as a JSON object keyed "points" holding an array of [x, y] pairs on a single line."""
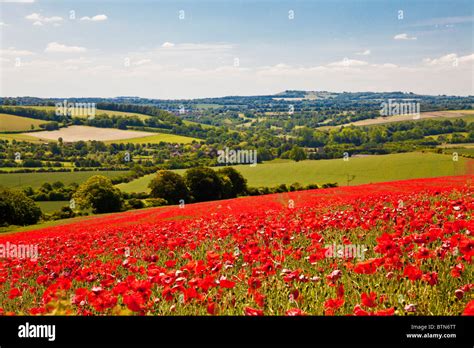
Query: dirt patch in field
{"points": [[77, 133], [398, 118]]}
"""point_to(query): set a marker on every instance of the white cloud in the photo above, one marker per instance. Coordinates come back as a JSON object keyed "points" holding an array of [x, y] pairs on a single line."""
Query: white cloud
{"points": [[2, 24], [404, 36], [96, 18], [449, 60], [364, 53], [345, 63], [60, 48], [38, 19], [12, 51], [168, 44]]}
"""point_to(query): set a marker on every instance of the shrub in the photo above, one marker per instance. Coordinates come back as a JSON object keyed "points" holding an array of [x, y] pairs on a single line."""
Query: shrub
{"points": [[17, 209]]}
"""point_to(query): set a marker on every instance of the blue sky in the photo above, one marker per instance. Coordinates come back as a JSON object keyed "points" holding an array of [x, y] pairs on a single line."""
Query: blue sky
{"points": [[188, 49]]}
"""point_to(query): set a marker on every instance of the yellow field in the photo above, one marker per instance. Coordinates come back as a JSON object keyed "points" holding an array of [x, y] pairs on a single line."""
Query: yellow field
{"points": [[11, 123]]}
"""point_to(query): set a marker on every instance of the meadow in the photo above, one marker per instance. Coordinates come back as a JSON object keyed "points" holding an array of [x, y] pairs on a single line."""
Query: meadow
{"points": [[358, 170], [399, 248], [97, 112], [35, 180], [12, 123]]}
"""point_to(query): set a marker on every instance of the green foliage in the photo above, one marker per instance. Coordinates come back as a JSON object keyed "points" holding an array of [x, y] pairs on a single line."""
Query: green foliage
{"points": [[204, 184], [297, 154], [169, 186], [238, 184], [100, 194], [17, 209]]}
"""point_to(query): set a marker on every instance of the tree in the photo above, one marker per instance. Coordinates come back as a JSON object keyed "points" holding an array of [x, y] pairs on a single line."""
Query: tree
{"points": [[203, 183], [17, 209], [169, 186], [297, 154], [238, 182], [100, 194]]}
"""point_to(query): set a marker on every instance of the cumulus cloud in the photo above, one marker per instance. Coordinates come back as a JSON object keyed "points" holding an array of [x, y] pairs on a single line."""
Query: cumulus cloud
{"points": [[96, 18], [60, 48], [450, 59], [346, 62], [404, 36], [12, 51], [39, 19], [167, 44]]}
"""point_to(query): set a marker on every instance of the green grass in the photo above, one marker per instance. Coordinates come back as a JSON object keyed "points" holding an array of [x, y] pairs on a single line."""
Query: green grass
{"points": [[97, 112], [359, 170], [51, 206], [23, 137], [35, 180], [11, 123], [155, 139]]}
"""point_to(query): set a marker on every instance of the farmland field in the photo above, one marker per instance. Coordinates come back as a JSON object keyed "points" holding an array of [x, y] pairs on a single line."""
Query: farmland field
{"points": [[35, 180], [11, 123], [467, 115], [77, 133], [157, 138], [97, 112], [358, 170], [405, 249]]}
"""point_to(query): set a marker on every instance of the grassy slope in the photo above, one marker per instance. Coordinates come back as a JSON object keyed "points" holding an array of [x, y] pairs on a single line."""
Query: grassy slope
{"points": [[365, 169], [11, 123], [154, 139], [52, 206], [37, 179]]}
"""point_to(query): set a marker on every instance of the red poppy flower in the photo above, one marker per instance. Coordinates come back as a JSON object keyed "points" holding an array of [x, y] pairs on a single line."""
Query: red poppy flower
{"points": [[253, 312], [369, 300]]}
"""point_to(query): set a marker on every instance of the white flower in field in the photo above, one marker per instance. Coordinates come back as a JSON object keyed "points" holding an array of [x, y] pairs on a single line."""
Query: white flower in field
{"points": [[410, 308]]}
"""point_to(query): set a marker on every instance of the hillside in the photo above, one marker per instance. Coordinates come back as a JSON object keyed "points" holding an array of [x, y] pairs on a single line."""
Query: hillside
{"points": [[267, 255]]}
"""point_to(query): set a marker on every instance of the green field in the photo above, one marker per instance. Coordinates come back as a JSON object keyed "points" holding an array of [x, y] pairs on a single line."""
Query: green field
{"points": [[359, 170], [11, 123], [23, 137], [35, 180], [51, 206], [155, 139], [97, 112]]}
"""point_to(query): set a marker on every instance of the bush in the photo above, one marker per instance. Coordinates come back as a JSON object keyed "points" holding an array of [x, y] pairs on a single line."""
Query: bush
{"points": [[204, 184], [17, 209], [169, 186], [134, 203], [100, 194], [155, 202], [237, 181]]}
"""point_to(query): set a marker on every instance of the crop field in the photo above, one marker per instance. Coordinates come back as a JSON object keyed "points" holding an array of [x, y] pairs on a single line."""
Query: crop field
{"points": [[97, 112], [358, 170], [467, 115], [35, 180], [77, 133], [157, 138], [396, 248], [11, 123]]}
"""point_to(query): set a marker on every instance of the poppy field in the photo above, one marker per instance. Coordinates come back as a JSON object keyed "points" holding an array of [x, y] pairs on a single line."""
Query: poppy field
{"points": [[410, 249]]}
